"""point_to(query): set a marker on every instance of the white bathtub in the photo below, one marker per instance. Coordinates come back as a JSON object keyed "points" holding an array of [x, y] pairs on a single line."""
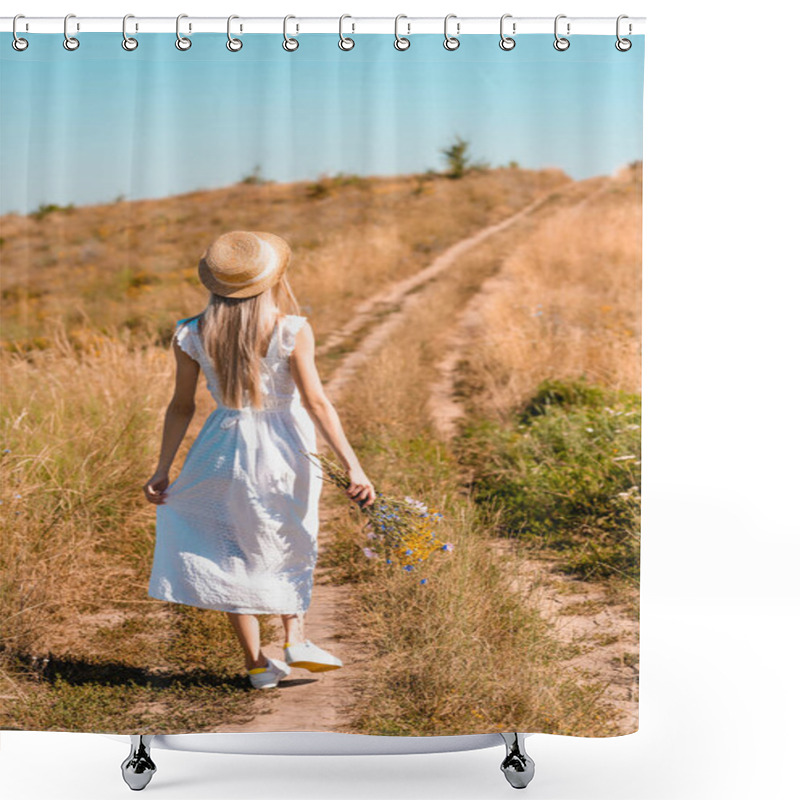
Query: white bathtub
{"points": [[316, 743], [138, 768]]}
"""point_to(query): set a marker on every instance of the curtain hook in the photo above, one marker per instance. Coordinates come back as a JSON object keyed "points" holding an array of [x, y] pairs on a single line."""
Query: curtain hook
{"points": [[345, 42], [18, 43], [70, 42], [289, 43], [506, 42], [234, 45], [623, 45], [400, 42], [560, 43], [451, 42], [182, 42], [128, 42]]}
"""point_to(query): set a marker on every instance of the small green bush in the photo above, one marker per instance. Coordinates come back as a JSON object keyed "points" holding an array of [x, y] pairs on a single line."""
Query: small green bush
{"points": [[46, 209], [254, 178], [456, 157]]}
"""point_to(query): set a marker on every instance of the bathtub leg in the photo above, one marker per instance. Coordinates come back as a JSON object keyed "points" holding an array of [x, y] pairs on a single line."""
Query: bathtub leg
{"points": [[517, 766], [138, 768]]}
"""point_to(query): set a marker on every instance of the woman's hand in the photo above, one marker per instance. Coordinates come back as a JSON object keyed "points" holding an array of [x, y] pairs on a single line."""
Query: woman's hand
{"points": [[360, 489], [154, 489]]}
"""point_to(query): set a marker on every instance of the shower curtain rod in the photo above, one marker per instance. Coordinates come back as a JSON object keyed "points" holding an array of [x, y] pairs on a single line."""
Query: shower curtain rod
{"points": [[407, 25]]}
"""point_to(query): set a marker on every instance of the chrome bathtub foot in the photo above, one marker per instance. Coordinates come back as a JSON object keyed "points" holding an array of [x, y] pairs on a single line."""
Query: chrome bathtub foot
{"points": [[517, 766], [138, 768]]}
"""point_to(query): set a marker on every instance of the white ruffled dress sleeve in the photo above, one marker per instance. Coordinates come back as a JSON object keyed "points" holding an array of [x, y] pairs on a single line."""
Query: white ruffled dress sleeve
{"points": [[184, 336], [291, 326]]}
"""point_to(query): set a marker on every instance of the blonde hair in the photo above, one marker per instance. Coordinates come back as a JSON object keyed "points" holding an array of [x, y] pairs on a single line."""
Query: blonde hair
{"points": [[235, 333]]}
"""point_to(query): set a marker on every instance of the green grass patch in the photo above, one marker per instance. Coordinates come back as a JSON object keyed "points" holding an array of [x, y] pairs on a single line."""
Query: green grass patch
{"points": [[564, 473]]}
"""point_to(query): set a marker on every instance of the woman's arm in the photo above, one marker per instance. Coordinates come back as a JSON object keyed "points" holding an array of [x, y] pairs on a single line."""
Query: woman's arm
{"points": [[324, 415], [176, 421]]}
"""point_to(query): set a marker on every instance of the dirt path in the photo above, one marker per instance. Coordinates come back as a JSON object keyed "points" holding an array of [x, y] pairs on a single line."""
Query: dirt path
{"points": [[443, 409], [583, 616], [320, 701], [395, 301], [308, 701], [582, 613], [388, 300]]}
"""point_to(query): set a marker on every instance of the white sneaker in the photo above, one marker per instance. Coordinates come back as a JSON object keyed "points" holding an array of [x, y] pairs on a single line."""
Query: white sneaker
{"points": [[268, 677], [308, 656]]}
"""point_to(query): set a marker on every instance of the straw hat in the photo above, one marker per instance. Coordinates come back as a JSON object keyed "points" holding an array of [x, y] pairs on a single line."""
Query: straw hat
{"points": [[244, 263]]}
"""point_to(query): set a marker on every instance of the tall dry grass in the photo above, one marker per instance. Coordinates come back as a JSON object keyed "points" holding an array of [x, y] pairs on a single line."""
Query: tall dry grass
{"points": [[465, 653], [78, 429], [567, 303]]}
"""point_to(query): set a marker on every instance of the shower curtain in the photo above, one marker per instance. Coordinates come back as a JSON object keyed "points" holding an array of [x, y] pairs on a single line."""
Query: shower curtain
{"points": [[465, 233]]}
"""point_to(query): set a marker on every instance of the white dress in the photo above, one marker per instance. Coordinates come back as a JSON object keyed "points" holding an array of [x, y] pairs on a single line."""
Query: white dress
{"points": [[238, 529]]}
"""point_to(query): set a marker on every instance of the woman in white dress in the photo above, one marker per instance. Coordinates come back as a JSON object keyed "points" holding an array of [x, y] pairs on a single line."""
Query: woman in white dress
{"points": [[237, 530]]}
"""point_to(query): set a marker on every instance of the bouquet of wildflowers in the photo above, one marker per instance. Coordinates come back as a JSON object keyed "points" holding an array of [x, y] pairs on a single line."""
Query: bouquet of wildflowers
{"points": [[402, 531]]}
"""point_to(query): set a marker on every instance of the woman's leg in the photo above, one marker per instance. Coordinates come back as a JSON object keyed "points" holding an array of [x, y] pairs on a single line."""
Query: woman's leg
{"points": [[293, 627], [249, 635]]}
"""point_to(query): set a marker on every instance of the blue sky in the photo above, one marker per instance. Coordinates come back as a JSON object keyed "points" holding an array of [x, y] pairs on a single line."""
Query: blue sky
{"points": [[87, 126]]}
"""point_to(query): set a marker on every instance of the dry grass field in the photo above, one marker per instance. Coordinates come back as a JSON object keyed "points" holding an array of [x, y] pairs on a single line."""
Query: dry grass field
{"points": [[89, 300]]}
